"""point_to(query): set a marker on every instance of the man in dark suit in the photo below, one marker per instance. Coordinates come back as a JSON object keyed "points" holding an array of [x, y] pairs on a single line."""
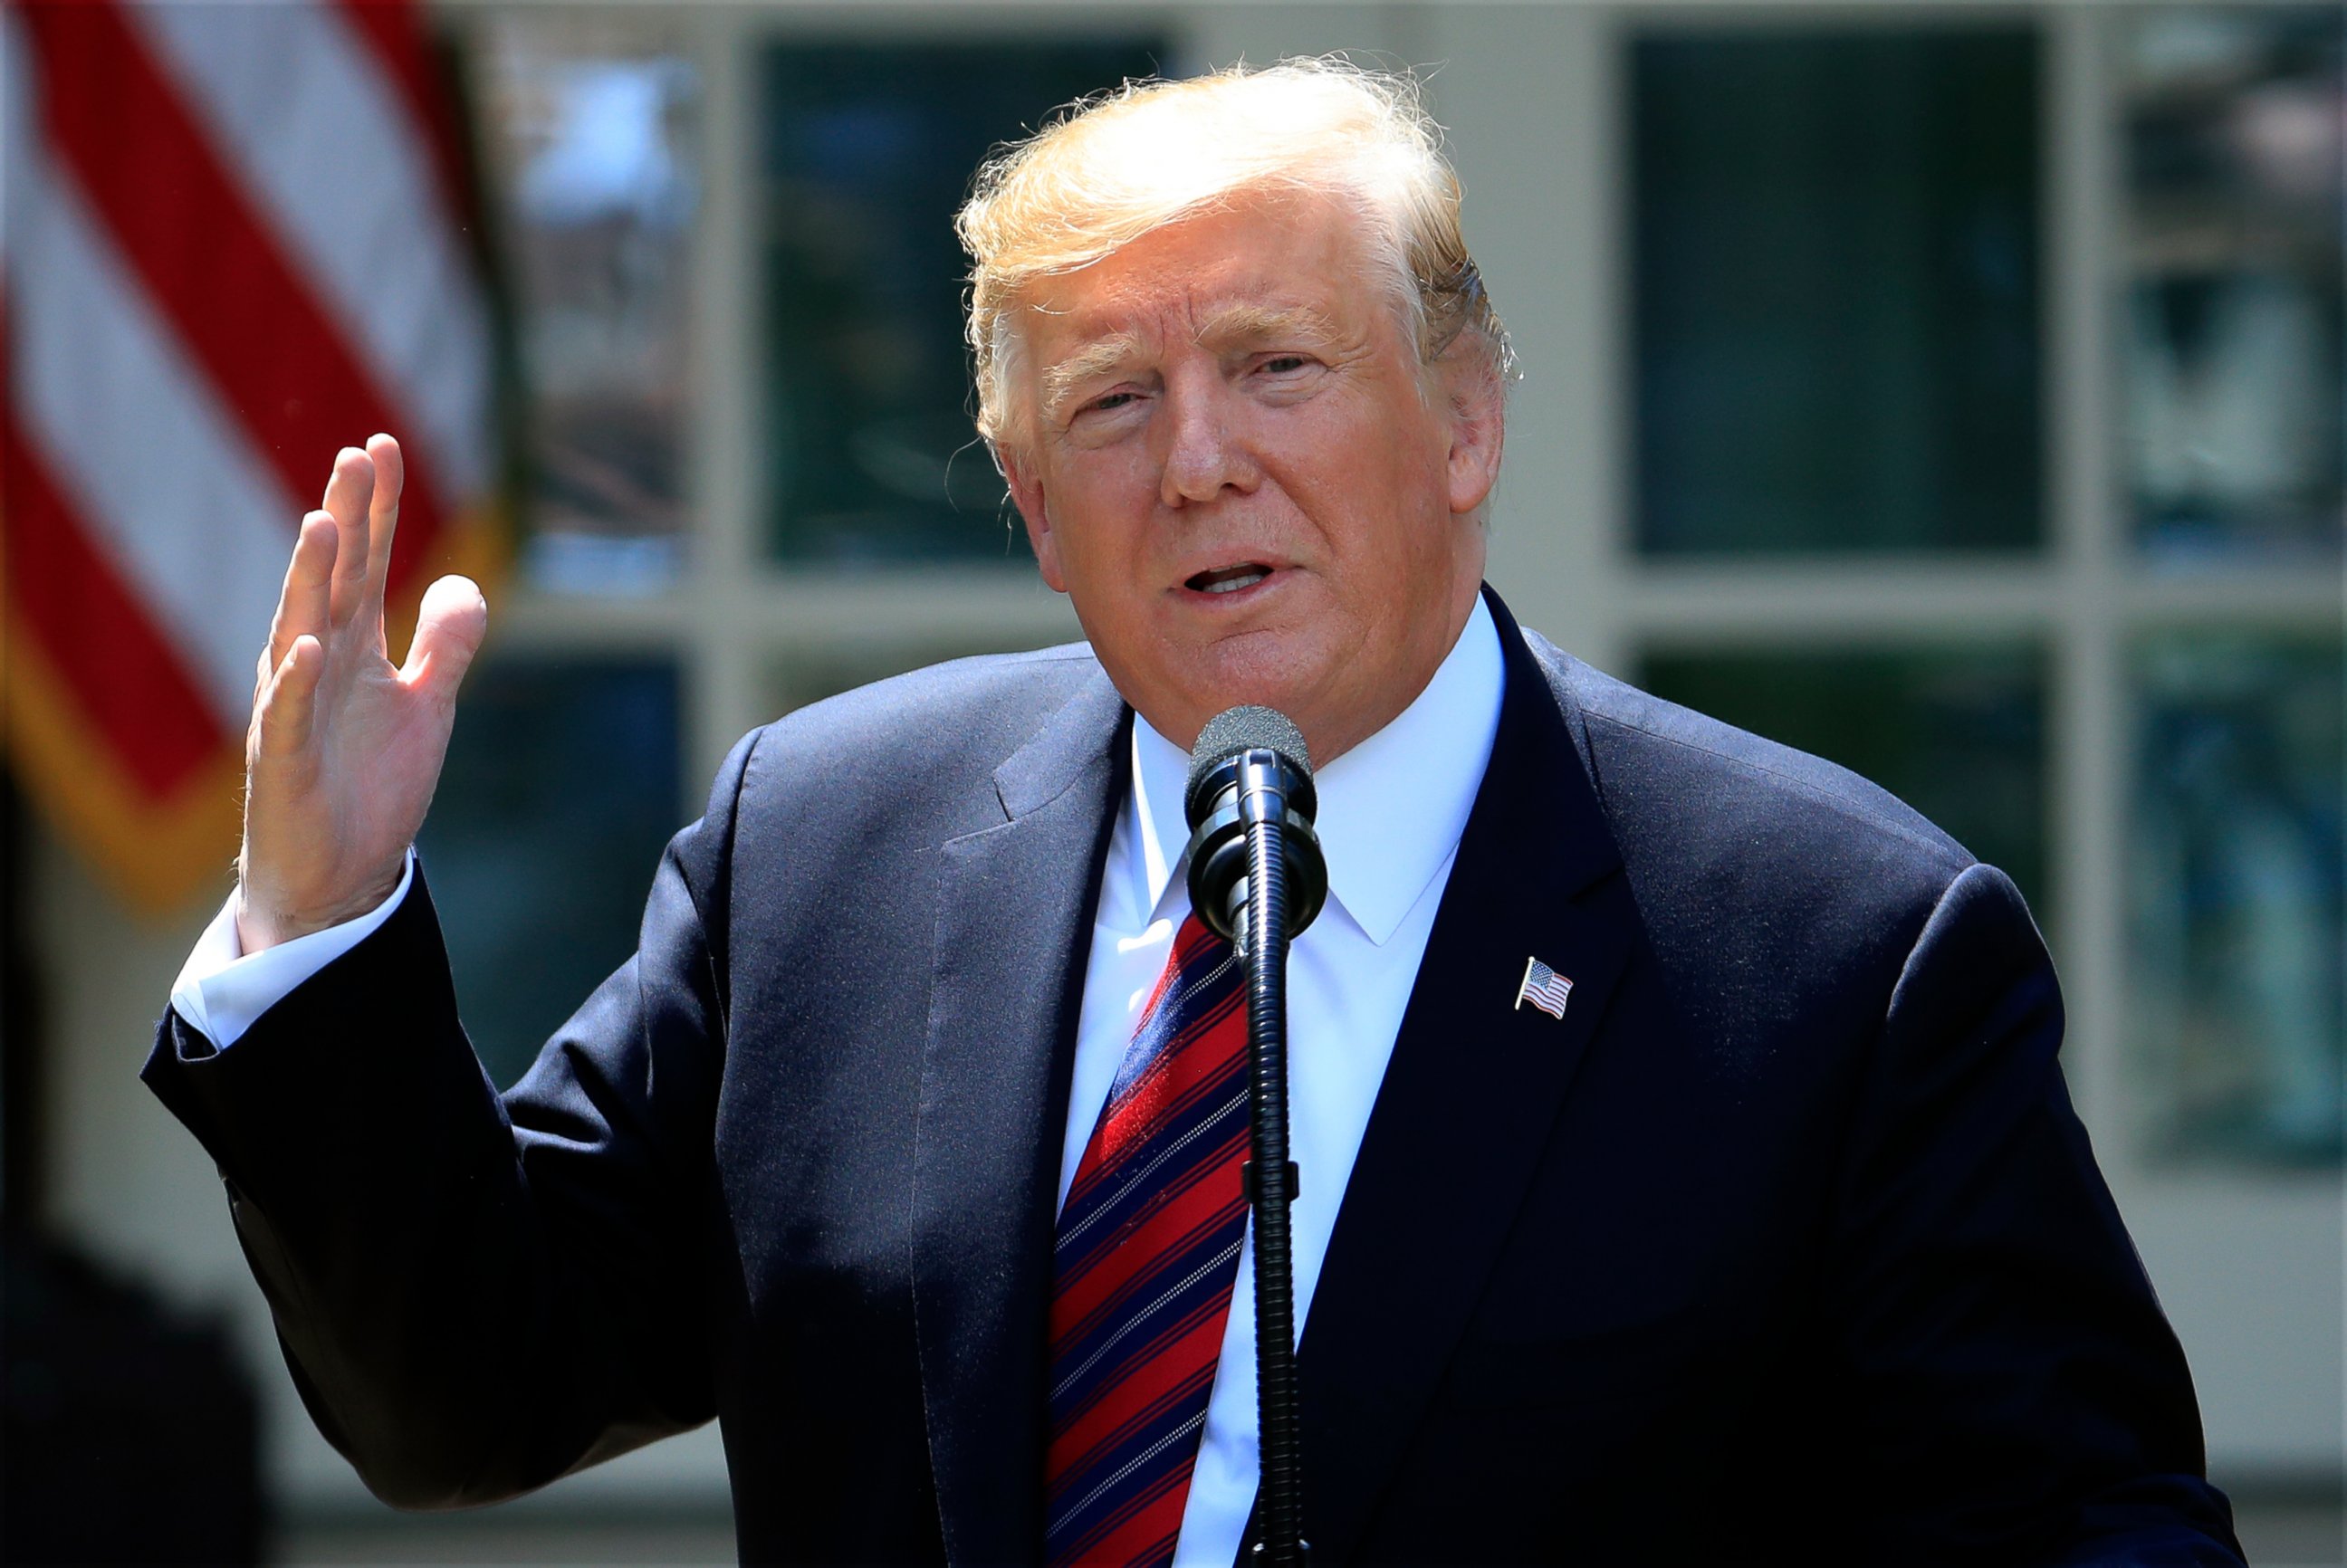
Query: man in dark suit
{"points": [[1770, 1238]]}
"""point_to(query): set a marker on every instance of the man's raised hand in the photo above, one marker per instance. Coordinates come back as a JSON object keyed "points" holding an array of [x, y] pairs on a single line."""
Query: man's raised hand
{"points": [[345, 749]]}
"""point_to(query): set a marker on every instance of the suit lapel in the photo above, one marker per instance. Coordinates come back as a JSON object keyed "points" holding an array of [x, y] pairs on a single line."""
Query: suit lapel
{"points": [[1469, 1098], [1013, 932]]}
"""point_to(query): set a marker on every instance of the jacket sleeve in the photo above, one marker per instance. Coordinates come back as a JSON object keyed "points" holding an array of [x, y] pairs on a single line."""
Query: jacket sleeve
{"points": [[2013, 1392], [477, 1295]]}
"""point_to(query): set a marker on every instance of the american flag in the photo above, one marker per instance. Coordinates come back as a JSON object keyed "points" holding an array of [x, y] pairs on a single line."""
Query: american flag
{"points": [[1545, 988], [235, 243]]}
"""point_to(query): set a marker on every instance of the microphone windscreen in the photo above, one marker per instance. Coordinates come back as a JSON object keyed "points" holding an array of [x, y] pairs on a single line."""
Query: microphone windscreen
{"points": [[1236, 730]]}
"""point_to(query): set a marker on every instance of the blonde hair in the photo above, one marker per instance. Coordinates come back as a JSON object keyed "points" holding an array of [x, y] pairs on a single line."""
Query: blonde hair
{"points": [[1112, 167]]}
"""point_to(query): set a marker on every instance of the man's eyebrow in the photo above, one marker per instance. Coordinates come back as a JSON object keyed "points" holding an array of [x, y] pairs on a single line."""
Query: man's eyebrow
{"points": [[1267, 324], [1233, 324], [1095, 358]]}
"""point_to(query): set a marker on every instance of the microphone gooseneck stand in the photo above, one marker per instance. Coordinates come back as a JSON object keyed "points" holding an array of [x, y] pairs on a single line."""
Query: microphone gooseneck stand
{"points": [[1257, 877], [1273, 1184]]}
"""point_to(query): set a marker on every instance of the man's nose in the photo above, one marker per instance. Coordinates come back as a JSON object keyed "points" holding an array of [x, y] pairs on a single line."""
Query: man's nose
{"points": [[1205, 449]]}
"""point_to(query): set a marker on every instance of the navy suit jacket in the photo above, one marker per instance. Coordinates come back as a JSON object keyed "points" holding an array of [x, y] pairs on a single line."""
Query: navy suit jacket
{"points": [[1782, 1245]]}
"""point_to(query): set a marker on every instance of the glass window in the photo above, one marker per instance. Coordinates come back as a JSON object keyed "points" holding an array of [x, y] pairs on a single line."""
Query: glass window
{"points": [[1959, 734], [2234, 882], [803, 678], [560, 794], [1836, 258], [867, 150], [588, 136], [2232, 366]]}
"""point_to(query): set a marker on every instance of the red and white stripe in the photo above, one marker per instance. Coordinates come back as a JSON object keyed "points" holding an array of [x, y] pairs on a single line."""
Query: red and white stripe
{"points": [[231, 247], [363, 213]]}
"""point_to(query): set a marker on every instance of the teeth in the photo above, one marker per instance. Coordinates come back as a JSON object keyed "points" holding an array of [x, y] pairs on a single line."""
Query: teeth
{"points": [[1229, 579]]}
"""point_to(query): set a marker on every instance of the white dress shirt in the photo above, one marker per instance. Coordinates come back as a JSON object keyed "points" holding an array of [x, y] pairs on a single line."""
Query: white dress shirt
{"points": [[1390, 815], [222, 988]]}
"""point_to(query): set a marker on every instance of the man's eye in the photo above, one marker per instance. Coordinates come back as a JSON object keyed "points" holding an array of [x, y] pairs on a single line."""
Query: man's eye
{"points": [[1280, 364], [1114, 400]]}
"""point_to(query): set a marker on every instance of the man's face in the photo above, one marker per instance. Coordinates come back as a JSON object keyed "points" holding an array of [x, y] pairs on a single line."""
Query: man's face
{"points": [[1234, 464]]}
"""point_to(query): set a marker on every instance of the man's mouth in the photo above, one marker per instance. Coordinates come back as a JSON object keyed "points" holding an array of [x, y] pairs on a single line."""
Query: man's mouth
{"points": [[1229, 579]]}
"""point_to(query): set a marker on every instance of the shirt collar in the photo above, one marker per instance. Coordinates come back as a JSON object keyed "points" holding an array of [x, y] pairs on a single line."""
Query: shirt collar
{"points": [[1392, 809]]}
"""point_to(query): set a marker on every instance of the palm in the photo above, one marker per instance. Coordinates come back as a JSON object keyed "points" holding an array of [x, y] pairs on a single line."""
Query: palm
{"points": [[345, 749]]}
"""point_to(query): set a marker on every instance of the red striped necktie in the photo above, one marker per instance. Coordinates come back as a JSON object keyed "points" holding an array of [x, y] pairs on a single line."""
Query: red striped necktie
{"points": [[1148, 1246]]}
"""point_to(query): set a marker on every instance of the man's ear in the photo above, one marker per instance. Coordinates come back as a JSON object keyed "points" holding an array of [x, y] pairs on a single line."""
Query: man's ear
{"points": [[1027, 493], [1471, 382]]}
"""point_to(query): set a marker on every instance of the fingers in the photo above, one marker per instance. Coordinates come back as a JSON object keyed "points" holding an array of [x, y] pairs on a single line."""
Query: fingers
{"points": [[287, 711], [382, 511], [340, 561], [449, 627], [302, 603], [350, 494]]}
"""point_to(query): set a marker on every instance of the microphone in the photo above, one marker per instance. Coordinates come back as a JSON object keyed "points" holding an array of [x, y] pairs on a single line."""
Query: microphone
{"points": [[1256, 861], [1249, 766]]}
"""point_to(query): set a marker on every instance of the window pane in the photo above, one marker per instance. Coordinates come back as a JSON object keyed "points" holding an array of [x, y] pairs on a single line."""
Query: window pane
{"points": [[2234, 895], [589, 131], [560, 794], [807, 678], [2232, 344], [1837, 315], [868, 149], [1960, 735]]}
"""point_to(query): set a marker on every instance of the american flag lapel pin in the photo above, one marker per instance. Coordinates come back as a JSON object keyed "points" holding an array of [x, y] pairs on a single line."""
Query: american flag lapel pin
{"points": [[1545, 988]]}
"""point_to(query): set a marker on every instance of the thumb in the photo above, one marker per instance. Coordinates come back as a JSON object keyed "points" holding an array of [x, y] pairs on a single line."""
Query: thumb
{"points": [[449, 627]]}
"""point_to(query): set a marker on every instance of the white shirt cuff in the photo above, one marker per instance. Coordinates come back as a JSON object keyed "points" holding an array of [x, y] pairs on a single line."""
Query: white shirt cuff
{"points": [[221, 990]]}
